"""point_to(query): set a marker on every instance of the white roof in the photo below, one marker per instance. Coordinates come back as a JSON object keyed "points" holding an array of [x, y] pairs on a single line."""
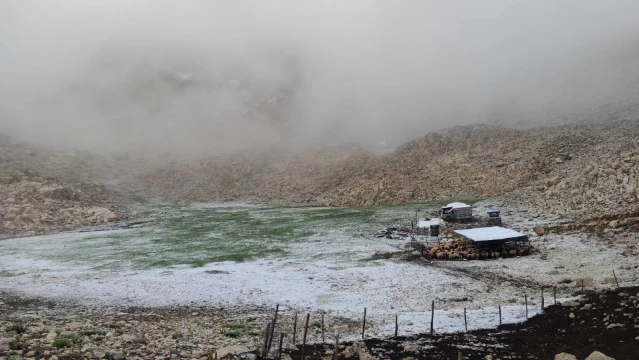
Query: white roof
{"points": [[489, 233], [457, 205], [428, 223]]}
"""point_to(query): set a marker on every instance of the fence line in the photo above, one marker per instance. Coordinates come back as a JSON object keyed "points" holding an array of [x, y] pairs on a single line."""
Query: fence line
{"points": [[270, 333]]}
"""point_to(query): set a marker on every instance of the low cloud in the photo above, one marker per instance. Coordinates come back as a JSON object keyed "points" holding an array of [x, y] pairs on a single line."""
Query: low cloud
{"points": [[219, 76]]}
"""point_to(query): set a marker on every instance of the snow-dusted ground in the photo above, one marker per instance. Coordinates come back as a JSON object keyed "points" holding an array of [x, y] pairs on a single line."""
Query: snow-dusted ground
{"points": [[328, 275]]}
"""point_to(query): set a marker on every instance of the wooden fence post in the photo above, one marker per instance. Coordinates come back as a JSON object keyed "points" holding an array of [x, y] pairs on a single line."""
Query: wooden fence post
{"points": [[465, 322], [364, 324], [554, 294], [336, 351], [526, 302], [266, 337], [279, 354], [308, 317], [615, 275], [270, 340], [323, 340], [396, 325], [542, 299], [294, 327], [432, 316], [499, 314]]}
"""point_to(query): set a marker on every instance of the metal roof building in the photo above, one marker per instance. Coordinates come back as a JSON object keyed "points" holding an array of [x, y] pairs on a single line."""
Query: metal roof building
{"points": [[492, 234]]}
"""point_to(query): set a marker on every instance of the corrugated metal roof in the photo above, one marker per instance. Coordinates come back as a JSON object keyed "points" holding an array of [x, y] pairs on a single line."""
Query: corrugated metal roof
{"points": [[493, 233]]}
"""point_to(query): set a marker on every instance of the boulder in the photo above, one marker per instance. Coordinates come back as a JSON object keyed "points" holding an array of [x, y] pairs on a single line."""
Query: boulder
{"points": [[411, 348], [11, 213], [26, 219], [4, 343], [565, 356], [569, 303], [9, 226], [232, 350], [539, 230], [51, 337], [29, 210], [363, 355], [100, 214], [127, 338], [596, 355], [56, 192]]}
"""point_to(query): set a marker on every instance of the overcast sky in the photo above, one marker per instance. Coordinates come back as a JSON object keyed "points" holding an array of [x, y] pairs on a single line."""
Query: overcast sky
{"points": [[211, 76]]}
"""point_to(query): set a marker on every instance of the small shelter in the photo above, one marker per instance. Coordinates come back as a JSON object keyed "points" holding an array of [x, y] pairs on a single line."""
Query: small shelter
{"points": [[495, 238], [479, 243], [457, 211], [492, 234]]}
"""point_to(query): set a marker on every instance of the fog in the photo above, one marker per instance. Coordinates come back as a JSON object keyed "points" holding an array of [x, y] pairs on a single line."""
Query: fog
{"points": [[219, 76]]}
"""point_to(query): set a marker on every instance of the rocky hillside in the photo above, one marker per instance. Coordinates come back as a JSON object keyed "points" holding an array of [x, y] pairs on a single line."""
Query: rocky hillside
{"points": [[569, 170], [42, 190], [579, 170], [298, 178], [31, 204]]}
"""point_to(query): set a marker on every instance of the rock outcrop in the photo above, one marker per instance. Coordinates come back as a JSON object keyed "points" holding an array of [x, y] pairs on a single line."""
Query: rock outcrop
{"points": [[596, 355], [565, 356], [31, 204]]}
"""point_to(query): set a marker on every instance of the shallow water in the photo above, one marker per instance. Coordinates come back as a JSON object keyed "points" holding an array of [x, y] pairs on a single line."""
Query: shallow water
{"points": [[250, 254], [204, 234]]}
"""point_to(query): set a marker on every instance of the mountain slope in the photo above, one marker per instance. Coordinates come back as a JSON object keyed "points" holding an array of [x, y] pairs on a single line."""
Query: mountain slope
{"points": [[565, 169], [584, 170]]}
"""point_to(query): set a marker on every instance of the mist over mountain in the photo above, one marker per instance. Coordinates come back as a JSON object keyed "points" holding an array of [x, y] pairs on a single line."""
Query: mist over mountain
{"points": [[209, 77]]}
